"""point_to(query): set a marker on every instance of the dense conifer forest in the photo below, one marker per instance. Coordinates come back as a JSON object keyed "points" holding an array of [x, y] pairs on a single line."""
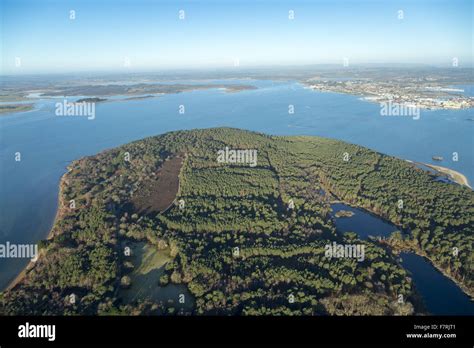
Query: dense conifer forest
{"points": [[244, 240]]}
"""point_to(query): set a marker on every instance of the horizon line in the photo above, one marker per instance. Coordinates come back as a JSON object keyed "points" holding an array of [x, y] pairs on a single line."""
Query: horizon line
{"points": [[130, 71]]}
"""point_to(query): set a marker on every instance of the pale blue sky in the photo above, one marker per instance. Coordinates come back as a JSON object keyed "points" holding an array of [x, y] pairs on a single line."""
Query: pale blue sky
{"points": [[149, 34]]}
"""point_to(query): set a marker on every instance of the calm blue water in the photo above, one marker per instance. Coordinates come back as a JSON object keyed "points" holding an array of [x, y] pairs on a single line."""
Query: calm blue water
{"points": [[28, 189], [362, 222], [440, 294]]}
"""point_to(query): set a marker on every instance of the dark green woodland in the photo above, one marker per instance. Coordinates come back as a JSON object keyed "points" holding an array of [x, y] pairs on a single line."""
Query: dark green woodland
{"points": [[235, 244]]}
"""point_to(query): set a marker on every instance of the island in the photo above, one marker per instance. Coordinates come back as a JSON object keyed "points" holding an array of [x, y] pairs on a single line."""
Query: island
{"points": [[164, 215], [13, 108], [344, 213], [91, 100], [136, 89]]}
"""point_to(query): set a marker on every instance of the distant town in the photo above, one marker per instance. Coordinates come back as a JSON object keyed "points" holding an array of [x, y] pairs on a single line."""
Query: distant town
{"points": [[423, 93]]}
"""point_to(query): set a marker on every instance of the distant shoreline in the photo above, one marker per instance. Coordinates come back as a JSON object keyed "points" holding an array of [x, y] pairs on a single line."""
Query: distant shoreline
{"points": [[8, 109], [102, 94], [441, 100]]}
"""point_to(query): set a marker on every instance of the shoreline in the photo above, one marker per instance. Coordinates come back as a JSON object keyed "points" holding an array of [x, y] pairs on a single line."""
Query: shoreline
{"points": [[408, 247], [30, 265], [11, 109], [454, 175], [378, 99], [109, 98]]}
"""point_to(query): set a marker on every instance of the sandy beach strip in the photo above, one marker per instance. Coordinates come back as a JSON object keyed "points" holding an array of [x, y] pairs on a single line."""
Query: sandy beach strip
{"points": [[454, 175]]}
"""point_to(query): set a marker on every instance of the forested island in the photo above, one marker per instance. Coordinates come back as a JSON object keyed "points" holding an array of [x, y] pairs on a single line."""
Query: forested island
{"points": [[91, 100], [234, 239]]}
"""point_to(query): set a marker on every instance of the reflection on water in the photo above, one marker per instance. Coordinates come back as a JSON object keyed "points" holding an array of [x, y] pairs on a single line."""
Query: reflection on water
{"points": [[362, 222], [440, 294], [149, 265]]}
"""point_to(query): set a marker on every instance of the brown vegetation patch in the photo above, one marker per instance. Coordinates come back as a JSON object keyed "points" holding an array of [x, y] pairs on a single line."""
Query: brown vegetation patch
{"points": [[159, 192]]}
